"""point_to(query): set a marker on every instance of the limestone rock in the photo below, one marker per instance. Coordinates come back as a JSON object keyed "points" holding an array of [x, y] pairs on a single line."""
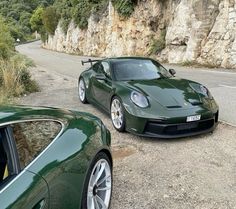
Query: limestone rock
{"points": [[196, 30]]}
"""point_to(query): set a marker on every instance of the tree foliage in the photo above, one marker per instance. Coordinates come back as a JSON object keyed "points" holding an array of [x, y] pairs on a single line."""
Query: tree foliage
{"points": [[6, 41], [18, 13], [80, 10], [125, 7], [50, 19], [26, 16], [15, 78], [36, 20]]}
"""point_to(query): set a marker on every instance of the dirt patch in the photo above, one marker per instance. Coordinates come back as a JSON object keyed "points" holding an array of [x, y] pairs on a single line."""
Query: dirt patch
{"points": [[120, 152]]}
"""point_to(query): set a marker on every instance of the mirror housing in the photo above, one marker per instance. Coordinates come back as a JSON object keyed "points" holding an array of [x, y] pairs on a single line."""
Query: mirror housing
{"points": [[172, 72], [101, 77]]}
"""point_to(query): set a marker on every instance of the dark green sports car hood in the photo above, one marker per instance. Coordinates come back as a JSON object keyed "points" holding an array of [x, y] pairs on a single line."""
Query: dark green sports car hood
{"points": [[169, 92]]}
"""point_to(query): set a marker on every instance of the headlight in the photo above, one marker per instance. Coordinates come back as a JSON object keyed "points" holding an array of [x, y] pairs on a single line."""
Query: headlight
{"points": [[205, 91], [139, 99], [201, 90]]}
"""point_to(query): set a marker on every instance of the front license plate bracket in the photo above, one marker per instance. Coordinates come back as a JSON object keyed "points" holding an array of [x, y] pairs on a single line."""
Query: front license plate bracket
{"points": [[193, 118]]}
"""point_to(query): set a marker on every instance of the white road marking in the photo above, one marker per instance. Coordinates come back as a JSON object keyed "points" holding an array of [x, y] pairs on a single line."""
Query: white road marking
{"points": [[219, 72], [226, 86]]}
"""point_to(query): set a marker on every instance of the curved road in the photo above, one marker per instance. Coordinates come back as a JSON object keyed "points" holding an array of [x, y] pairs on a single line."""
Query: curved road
{"points": [[222, 83]]}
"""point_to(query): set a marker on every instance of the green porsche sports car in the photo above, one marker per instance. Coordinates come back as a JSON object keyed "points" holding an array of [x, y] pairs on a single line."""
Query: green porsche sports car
{"points": [[144, 98], [53, 159]]}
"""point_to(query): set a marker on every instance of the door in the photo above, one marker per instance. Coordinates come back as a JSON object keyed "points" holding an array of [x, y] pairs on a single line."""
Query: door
{"points": [[19, 188], [102, 84]]}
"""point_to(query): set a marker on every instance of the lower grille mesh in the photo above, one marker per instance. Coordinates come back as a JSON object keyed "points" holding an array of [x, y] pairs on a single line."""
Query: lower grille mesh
{"points": [[177, 129]]}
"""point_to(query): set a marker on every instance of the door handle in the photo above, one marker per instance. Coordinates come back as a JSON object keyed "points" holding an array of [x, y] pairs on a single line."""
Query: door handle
{"points": [[40, 204]]}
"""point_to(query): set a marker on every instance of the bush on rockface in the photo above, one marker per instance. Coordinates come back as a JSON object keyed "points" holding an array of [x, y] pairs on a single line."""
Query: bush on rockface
{"points": [[157, 45], [125, 7], [80, 10]]}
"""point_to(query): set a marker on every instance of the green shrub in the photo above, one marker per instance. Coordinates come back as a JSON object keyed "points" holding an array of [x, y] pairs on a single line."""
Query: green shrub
{"points": [[80, 10], [5, 36], [157, 45], [64, 23], [4, 51], [44, 35], [125, 7]]}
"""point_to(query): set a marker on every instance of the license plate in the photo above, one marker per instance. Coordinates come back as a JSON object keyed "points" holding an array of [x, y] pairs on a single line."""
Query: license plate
{"points": [[193, 118]]}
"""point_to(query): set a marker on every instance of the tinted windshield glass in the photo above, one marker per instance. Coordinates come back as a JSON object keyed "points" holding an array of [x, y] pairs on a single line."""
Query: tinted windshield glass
{"points": [[139, 69]]}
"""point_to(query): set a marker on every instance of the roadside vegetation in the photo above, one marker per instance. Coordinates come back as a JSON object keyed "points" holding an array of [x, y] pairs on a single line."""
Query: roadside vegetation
{"points": [[199, 65], [45, 19], [18, 13], [24, 17], [157, 45], [15, 78]]}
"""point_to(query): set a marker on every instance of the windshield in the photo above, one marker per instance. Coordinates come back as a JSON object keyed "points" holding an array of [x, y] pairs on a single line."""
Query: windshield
{"points": [[139, 69]]}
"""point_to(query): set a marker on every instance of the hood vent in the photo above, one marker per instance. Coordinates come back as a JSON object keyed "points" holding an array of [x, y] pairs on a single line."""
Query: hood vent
{"points": [[196, 103], [174, 106]]}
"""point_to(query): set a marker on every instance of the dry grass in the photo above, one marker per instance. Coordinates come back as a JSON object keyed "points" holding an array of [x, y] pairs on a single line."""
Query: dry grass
{"points": [[11, 82], [198, 65], [15, 79]]}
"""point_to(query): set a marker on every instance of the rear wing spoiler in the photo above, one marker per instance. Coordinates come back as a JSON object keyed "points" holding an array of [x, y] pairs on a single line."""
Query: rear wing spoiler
{"points": [[89, 61]]}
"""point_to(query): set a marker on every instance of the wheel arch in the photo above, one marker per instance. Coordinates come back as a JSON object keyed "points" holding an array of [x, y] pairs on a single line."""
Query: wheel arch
{"points": [[108, 153]]}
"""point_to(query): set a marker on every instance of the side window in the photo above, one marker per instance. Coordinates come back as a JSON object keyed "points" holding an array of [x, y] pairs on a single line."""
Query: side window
{"points": [[106, 69], [98, 68], [8, 166], [3, 159], [32, 138]]}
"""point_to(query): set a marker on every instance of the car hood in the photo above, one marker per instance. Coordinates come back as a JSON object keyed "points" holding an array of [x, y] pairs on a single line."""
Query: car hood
{"points": [[169, 92]]}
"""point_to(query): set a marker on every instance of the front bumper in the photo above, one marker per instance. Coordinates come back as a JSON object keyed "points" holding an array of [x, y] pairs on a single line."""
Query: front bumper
{"points": [[168, 130]]}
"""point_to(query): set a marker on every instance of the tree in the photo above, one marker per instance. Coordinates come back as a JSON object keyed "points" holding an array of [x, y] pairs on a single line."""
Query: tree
{"points": [[50, 19], [25, 21], [6, 41], [36, 21]]}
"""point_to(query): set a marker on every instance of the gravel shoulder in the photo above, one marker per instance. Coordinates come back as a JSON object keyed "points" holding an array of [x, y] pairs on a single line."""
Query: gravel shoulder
{"points": [[197, 172]]}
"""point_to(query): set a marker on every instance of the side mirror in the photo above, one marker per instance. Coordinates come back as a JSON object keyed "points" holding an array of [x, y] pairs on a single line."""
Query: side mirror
{"points": [[172, 72], [101, 77]]}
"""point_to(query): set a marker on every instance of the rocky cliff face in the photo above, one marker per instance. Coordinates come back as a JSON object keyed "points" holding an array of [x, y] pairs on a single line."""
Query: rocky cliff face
{"points": [[200, 31]]}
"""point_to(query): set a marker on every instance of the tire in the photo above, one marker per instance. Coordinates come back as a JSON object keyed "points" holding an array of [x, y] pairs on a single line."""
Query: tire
{"points": [[117, 114], [100, 191], [82, 91]]}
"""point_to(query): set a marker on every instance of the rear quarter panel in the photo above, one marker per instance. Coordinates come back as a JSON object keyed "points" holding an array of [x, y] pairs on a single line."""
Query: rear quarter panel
{"points": [[64, 164]]}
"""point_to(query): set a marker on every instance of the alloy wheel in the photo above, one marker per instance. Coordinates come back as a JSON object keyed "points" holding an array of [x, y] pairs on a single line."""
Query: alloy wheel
{"points": [[100, 186], [117, 114], [82, 90]]}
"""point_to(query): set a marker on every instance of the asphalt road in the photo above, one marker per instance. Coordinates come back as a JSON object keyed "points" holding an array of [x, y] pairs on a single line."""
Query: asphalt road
{"points": [[221, 82], [191, 173]]}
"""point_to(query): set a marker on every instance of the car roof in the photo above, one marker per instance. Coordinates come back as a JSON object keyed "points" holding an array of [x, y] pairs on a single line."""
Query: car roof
{"points": [[118, 59], [19, 113]]}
